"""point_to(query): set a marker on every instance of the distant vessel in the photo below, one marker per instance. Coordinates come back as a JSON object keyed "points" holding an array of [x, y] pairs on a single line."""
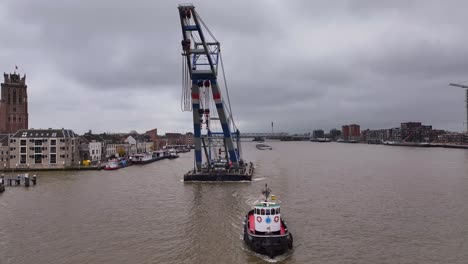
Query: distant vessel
{"points": [[112, 165], [263, 146], [261, 139], [265, 231], [321, 140], [172, 154], [145, 158], [347, 141]]}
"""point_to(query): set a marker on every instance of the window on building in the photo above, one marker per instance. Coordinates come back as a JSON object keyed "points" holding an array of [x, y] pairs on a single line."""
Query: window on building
{"points": [[23, 159], [14, 96], [23, 150], [38, 158], [38, 150], [53, 158], [53, 142], [53, 149], [23, 142], [38, 142]]}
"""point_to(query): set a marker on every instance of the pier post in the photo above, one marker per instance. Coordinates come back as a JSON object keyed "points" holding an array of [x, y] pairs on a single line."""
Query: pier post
{"points": [[18, 180], [34, 179], [2, 184], [26, 180]]}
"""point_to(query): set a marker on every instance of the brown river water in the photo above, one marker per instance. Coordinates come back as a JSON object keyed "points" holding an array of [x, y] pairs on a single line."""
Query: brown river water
{"points": [[344, 203]]}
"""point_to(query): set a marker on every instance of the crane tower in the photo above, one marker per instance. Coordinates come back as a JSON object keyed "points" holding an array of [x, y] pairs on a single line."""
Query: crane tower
{"points": [[214, 131]]}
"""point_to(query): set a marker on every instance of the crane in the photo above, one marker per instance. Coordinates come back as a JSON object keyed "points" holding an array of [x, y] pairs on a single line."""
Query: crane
{"points": [[466, 99], [201, 92]]}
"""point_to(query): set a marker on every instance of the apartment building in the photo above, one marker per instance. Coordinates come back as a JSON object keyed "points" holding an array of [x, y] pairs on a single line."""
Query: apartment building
{"points": [[44, 149]]}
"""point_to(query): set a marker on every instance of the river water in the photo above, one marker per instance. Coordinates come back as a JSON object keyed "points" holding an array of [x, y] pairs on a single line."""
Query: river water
{"points": [[344, 203]]}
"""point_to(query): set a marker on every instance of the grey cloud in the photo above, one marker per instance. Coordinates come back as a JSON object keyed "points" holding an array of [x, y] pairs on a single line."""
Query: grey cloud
{"points": [[302, 64]]}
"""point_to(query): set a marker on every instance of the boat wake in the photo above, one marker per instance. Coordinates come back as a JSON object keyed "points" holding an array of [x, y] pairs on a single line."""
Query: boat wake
{"points": [[264, 257], [258, 179]]}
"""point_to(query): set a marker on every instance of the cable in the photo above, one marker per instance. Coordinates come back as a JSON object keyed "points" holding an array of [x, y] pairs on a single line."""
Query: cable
{"points": [[227, 90], [207, 29]]}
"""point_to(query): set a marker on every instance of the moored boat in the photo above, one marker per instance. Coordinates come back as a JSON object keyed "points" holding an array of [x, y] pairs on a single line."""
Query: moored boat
{"points": [[142, 158], [265, 231], [112, 165], [172, 154]]}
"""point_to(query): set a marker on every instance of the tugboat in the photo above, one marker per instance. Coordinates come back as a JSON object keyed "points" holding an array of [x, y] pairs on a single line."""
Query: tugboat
{"points": [[265, 232]]}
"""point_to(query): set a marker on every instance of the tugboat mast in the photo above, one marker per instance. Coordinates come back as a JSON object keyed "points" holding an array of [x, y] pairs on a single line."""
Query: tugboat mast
{"points": [[266, 192]]}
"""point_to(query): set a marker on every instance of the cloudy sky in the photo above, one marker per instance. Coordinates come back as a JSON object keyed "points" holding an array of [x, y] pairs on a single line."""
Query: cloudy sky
{"points": [[114, 65]]}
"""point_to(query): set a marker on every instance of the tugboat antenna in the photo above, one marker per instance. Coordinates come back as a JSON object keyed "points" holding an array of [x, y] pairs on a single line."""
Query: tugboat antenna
{"points": [[266, 192]]}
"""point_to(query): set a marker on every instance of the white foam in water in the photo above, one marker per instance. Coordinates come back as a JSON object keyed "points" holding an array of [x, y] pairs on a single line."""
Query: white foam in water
{"points": [[266, 258], [258, 179]]}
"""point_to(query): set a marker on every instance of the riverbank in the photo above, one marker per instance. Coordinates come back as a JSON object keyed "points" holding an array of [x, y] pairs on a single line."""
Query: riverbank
{"points": [[427, 145], [72, 168]]}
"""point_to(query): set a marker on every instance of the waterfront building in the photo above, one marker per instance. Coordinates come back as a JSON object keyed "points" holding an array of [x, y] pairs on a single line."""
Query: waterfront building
{"points": [[189, 138], [13, 104], [345, 130], [416, 132], [94, 141], [387, 134], [44, 149], [335, 133], [111, 150], [373, 136], [95, 150], [452, 138], [395, 134], [153, 134], [175, 139], [354, 132], [318, 133], [131, 145], [4, 150]]}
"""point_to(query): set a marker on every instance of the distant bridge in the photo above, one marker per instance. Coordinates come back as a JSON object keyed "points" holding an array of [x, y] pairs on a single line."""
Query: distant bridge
{"points": [[265, 135]]}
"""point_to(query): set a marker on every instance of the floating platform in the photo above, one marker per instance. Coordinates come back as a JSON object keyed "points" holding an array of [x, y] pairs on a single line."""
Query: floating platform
{"points": [[215, 174]]}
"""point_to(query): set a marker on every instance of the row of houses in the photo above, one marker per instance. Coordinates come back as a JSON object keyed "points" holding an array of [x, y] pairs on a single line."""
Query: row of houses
{"points": [[62, 148]]}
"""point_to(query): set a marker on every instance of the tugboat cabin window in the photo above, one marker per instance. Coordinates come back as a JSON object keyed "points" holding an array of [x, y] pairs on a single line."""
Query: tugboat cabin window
{"points": [[263, 212], [267, 211]]}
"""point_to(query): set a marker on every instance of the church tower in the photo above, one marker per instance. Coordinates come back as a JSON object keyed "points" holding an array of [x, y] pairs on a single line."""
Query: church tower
{"points": [[13, 104]]}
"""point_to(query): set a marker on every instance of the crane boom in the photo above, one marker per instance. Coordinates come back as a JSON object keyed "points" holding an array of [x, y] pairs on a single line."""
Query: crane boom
{"points": [[459, 85], [466, 99]]}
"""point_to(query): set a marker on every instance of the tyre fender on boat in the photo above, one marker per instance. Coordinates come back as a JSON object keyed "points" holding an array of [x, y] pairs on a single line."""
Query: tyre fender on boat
{"points": [[259, 219], [290, 241], [276, 219]]}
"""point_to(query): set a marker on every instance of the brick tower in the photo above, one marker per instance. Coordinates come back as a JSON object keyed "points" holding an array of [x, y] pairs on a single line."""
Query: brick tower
{"points": [[13, 104]]}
